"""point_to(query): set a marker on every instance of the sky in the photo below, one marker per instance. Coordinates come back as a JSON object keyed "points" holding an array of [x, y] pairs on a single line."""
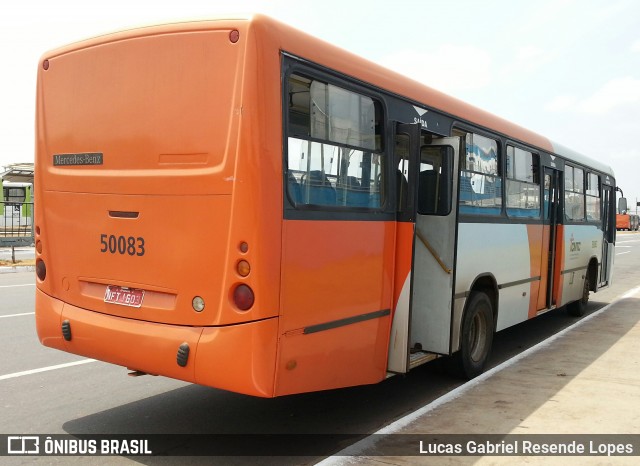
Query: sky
{"points": [[567, 69]]}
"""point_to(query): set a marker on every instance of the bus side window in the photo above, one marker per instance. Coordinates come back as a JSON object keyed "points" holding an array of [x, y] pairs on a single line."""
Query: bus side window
{"points": [[574, 197], [480, 177], [334, 146], [435, 180], [522, 183], [593, 198]]}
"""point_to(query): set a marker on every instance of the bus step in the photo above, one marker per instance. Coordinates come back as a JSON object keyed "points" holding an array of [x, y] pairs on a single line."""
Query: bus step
{"points": [[419, 358]]}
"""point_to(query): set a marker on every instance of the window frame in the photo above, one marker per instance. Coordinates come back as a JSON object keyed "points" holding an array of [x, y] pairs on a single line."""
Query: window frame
{"points": [[567, 192], [536, 171], [597, 196], [383, 128], [476, 211]]}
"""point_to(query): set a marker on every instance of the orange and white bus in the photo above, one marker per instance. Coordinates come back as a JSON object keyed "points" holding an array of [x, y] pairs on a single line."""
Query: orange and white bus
{"points": [[337, 223]]}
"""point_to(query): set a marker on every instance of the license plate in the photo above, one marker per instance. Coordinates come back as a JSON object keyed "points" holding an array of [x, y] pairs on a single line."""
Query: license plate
{"points": [[123, 296]]}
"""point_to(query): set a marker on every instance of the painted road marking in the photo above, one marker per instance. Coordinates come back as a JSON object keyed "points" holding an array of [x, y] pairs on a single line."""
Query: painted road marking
{"points": [[18, 315], [45, 369]]}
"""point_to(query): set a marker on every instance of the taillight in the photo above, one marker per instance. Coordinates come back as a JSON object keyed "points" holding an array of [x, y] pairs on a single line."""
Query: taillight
{"points": [[243, 297], [41, 269]]}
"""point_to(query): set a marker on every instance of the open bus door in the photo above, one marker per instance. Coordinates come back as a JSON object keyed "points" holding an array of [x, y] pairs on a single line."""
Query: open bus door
{"points": [[427, 220], [434, 247]]}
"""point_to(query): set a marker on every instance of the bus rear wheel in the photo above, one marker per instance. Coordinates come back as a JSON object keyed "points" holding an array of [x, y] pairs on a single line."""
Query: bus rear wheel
{"points": [[579, 307], [476, 336]]}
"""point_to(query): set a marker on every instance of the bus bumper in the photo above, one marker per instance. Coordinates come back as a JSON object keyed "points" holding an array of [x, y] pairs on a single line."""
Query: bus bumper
{"points": [[240, 358]]}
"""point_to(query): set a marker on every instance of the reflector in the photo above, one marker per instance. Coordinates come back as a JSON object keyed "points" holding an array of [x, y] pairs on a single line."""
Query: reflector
{"points": [[243, 268]]}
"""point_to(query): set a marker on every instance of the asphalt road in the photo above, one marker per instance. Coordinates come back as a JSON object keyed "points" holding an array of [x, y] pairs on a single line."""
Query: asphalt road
{"points": [[79, 396]]}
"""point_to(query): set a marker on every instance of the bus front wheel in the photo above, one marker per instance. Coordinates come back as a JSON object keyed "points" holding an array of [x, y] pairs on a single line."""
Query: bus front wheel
{"points": [[476, 336]]}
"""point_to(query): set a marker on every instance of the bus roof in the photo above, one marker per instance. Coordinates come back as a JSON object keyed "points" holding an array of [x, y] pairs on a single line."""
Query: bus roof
{"points": [[570, 154]]}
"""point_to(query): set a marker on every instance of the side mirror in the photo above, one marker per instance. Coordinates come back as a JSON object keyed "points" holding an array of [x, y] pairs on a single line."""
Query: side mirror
{"points": [[622, 205]]}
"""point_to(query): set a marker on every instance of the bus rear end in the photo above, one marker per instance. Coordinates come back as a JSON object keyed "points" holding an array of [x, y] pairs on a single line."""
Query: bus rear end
{"points": [[145, 235], [623, 222]]}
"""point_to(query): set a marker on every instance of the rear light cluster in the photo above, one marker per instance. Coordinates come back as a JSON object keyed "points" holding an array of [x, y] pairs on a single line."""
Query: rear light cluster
{"points": [[243, 296], [41, 267]]}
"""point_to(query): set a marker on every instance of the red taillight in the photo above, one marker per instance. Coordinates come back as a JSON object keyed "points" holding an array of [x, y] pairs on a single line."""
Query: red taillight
{"points": [[243, 297], [41, 270]]}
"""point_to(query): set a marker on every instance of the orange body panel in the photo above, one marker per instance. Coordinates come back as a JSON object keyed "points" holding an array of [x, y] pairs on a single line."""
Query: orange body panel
{"points": [[333, 271], [238, 358], [349, 355]]}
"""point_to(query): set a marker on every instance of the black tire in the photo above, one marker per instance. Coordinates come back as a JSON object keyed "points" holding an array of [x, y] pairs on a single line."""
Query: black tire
{"points": [[476, 336], [579, 307]]}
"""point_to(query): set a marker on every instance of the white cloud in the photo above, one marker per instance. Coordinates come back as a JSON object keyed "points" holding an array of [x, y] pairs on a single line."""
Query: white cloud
{"points": [[561, 103], [616, 93], [628, 155], [449, 68], [523, 63], [635, 47], [529, 52]]}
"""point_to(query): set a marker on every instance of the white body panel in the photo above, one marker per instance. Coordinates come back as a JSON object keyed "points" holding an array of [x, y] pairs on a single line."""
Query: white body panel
{"points": [[500, 250], [581, 243]]}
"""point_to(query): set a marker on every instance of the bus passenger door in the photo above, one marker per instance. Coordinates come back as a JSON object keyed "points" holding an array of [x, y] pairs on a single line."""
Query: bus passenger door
{"points": [[406, 150], [434, 246], [551, 220], [609, 234]]}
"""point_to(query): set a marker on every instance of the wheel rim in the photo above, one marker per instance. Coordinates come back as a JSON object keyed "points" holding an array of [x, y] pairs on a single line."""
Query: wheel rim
{"points": [[477, 336]]}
